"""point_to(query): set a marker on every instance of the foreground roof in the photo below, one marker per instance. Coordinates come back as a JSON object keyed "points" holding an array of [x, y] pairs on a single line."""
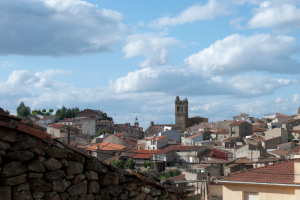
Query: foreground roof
{"points": [[278, 173]]}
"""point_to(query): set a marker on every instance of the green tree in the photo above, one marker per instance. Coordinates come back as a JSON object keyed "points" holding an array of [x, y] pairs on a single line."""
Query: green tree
{"points": [[173, 172], [50, 110], [23, 110], [44, 111], [47, 114], [117, 163], [130, 164], [101, 132], [148, 164]]}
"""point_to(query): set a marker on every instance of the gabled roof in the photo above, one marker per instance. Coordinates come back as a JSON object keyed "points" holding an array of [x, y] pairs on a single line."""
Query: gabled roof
{"points": [[120, 134], [289, 121], [260, 129], [224, 132], [193, 136], [179, 148], [106, 146], [230, 139], [237, 123], [278, 173], [144, 153], [280, 152], [157, 138]]}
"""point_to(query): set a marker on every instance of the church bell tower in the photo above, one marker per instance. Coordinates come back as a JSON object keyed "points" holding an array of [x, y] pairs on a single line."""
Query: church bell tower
{"points": [[181, 112]]}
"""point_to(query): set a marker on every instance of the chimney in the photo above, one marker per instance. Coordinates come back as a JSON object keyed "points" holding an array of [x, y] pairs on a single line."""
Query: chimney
{"points": [[297, 172]]}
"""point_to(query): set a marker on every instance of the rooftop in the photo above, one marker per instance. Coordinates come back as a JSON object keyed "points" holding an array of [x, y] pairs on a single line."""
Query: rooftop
{"points": [[107, 146], [157, 138], [179, 148], [280, 152], [278, 173], [289, 121], [237, 123]]}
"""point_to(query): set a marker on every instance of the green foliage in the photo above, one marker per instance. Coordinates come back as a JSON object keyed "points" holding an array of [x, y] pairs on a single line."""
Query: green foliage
{"points": [[291, 137], [66, 113], [130, 164], [106, 117], [173, 172], [44, 110], [117, 163], [23, 110], [101, 132], [148, 164], [47, 114], [50, 110]]}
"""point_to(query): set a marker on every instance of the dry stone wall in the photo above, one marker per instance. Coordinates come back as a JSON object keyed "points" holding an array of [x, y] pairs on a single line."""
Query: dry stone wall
{"points": [[32, 168]]}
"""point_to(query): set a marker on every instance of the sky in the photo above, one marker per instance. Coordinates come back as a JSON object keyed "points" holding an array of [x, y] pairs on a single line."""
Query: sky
{"points": [[132, 58]]}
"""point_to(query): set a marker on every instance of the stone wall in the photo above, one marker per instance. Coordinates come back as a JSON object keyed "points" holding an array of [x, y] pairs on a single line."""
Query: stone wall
{"points": [[35, 168]]}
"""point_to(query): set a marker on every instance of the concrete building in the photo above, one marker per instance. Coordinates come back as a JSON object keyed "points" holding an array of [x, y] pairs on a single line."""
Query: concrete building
{"points": [[240, 129], [89, 126], [290, 124], [157, 142], [172, 135], [251, 152], [277, 132], [269, 182], [58, 133]]}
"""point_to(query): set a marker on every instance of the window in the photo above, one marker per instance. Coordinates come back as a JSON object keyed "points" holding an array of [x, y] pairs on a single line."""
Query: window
{"points": [[251, 196], [177, 108], [181, 109]]}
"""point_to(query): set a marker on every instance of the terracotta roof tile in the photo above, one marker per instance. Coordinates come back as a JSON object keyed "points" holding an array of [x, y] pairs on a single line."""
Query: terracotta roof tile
{"points": [[107, 146], [280, 152], [179, 148], [289, 121], [237, 123], [157, 138], [120, 134], [280, 173]]}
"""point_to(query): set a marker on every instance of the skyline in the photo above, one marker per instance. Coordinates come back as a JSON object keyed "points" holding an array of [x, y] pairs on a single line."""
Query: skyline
{"points": [[226, 57]]}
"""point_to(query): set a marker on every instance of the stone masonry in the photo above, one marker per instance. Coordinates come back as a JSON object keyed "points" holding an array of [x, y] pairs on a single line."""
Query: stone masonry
{"points": [[34, 166]]}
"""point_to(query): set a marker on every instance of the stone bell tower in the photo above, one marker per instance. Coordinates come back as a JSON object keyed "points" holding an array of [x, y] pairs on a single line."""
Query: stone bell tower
{"points": [[181, 112]]}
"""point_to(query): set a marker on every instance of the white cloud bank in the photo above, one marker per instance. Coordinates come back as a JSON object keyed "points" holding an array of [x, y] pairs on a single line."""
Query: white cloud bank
{"points": [[57, 27], [208, 11], [237, 53], [154, 47], [173, 81], [276, 14]]}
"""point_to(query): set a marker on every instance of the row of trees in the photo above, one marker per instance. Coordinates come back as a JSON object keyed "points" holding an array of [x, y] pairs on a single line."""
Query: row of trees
{"points": [[23, 110], [130, 164], [66, 113]]}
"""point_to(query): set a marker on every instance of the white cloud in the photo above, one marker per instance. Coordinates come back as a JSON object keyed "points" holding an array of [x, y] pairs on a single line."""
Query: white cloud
{"points": [[20, 78], [154, 47], [7, 64], [210, 10], [57, 27], [173, 80], [280, 15], [237, 53]]}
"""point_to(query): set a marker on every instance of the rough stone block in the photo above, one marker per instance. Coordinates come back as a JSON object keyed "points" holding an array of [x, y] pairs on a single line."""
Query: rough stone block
{"points": [[21, 187], [24, 195], [51, 196], [108, 179], [35, 175], [131, 186], [74, 168], [54, 175], [5, 192], [16, 180], [56, 152], [13, 169], [64, 162], [38, 195], [93, 187], [24, 144], [114, 190], [20, 155], [94, 175], [78, 178], [95, 165], [78, 189], [141, 196], [145, 189], [36, 166], [64, 185], [76, 157], [123, 195], [37, 150], [64, 195], [52, 164], [4, 145]]}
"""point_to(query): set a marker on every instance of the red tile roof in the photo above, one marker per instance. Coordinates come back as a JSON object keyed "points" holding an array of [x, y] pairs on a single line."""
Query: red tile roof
{"points": [[120, 134], [179, 148], [237, 123], [280, 152], [157, 138], [289, 121], [280, 173], [260, 129], [107, 146], [26, 129], [144, 153]]}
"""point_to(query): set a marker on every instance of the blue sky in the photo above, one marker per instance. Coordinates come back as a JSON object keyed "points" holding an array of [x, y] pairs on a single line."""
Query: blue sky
{"points": [[128, 59]]}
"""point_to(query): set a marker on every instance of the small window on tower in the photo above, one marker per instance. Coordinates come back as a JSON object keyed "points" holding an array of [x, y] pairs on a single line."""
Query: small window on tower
{"points": [[181, 109], [177, 108]]}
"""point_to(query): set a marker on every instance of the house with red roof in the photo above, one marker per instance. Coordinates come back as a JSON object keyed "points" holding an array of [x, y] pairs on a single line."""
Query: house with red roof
{"points": [[278, 181], [240, 129], [156, 142], [177, 155]]}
